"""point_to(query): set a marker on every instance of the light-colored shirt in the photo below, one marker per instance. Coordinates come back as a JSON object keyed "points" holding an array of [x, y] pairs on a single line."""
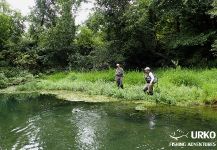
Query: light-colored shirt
{"points": [[151, 76]]}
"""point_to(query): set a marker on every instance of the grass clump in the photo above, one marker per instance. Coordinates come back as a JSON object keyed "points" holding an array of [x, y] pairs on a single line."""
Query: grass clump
{"points": [[185, 80]]}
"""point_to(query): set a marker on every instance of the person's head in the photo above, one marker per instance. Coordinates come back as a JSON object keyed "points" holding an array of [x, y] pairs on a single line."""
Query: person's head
{"points": [[147, 69], [118, 65]]}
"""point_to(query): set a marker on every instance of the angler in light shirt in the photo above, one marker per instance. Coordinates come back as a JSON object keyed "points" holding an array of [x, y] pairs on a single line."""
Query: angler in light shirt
{"points": [[150, 81]]}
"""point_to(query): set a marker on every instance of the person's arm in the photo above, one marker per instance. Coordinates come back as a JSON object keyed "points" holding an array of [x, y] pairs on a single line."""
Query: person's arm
{"points": [[116, 72], [122, 71], [152, 77]]}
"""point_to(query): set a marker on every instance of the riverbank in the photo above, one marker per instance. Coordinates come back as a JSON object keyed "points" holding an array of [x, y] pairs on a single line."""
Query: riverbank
{"points": [[206, 112], [182, 87], [10, 76]]}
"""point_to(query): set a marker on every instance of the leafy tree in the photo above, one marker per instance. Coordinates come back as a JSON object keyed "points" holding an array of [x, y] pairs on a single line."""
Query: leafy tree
{"points": [[4, 7], [5, 29], [133, 32], [56, 42], [53, 29], [11, 30], [87, 42], [140, 44], [113, 12], [213, 11], [185, 29]]}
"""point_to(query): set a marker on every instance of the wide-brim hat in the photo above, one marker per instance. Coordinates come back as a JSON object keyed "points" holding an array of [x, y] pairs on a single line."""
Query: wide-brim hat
{"points": [[147, 69]]}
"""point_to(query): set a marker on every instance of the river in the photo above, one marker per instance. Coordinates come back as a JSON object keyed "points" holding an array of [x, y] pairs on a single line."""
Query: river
{"points": [[35, 121]]}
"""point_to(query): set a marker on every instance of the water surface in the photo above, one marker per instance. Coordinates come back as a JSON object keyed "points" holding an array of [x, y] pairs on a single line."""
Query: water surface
{"points": [[44, 122]]}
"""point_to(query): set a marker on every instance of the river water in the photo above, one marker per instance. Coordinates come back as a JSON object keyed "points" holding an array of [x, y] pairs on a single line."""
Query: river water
{"points": [[44, 122]]}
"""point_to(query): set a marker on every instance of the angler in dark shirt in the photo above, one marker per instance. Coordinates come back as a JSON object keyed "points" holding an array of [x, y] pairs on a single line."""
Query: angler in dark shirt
{"points": [[119, 74]]}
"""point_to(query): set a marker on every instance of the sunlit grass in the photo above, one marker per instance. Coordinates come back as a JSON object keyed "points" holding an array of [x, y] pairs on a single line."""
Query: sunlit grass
{"points": [[175, 86]]}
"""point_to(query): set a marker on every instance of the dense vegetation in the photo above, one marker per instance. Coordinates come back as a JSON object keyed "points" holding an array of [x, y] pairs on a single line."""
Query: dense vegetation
{"points": [[175, 87], [136, 33], [13, 76]]}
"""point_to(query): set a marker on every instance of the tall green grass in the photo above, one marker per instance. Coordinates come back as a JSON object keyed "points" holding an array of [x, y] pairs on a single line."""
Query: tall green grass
{"points": [[175, 86]]}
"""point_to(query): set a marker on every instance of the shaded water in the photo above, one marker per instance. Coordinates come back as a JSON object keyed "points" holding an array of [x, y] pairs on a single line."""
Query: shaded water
{"points": [[43, 122]]}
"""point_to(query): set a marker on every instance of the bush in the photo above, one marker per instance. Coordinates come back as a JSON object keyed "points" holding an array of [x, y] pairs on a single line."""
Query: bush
{"points": [[3, 80], [13, 76]]}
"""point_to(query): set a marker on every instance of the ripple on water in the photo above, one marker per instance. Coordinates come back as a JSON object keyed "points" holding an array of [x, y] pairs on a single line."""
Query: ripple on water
{"points": [[27, 135]]}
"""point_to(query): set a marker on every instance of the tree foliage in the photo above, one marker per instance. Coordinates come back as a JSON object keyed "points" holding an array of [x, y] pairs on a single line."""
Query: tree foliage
{"points": [[11, 30], [135, 33]]}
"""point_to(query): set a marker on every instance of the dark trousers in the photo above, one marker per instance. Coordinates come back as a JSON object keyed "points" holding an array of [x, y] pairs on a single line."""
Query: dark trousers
{"points": [[149, 88], [119, 81]]}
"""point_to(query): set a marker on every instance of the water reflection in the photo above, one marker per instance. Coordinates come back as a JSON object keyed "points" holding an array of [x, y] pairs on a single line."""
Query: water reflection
{"points": [[90, 128], [152, 121], [27, 135]]}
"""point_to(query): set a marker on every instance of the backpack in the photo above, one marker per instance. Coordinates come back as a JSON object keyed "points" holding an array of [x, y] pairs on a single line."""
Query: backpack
{"points": [[155, 79], [148, 79]]}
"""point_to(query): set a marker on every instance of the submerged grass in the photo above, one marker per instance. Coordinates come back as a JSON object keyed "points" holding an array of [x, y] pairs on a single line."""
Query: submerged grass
{"points": [[175, 86]]}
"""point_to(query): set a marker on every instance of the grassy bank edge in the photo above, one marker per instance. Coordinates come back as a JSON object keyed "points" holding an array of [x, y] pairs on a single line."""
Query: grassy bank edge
{"points": [[179, 87], [76, 96], [202, 110]]}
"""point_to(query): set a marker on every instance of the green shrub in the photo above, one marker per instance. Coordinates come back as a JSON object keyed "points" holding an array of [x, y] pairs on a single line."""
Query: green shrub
{"points": [[33, 86], [3, 80], [13, 76]]}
